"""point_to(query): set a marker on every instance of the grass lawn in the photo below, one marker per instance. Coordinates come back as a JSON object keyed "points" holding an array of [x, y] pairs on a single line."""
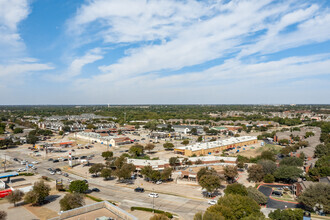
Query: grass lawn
{"points": [[274, 148]]}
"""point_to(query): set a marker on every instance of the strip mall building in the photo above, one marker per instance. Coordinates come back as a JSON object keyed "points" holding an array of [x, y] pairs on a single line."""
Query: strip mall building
{"points": [[215, 146]]}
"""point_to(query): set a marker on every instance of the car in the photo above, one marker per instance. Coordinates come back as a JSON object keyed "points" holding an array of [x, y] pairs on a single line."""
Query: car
{"points": [[35, 162], [65, 174], [95, 190], [50, 159], [142, 139], [70, 180], [65, 159], [153, 195], [21, 170], [139, 189], [52, 172], [56, 161], [86, 181], [15, 159], [23, 162], [159, 182], [212, 202], [33, 168], [58, 172]]}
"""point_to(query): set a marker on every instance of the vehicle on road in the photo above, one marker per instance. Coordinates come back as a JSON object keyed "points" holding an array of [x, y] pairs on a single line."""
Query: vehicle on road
{"points": [[212, 202], [50, 169], [65, 174], [86, 181], [153, 195], [56, 161], [15, 159], [95, 190], [139, 189], [52, 172], [159, 182], [35, 162], [21, 170], [23, 162], [33, 168], [50, 159]]}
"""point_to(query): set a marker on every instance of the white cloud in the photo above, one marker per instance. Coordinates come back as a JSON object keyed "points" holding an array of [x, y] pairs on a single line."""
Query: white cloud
{"points": [[77, 65], [11, 14], [21, 68]]}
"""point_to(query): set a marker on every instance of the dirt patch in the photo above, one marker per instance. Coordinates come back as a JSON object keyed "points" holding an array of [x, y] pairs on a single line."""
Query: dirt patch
{"points": [[41, 212]]}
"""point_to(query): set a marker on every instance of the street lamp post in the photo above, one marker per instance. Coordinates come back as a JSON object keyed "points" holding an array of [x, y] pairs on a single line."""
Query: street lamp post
{"points": [[153, 201]]}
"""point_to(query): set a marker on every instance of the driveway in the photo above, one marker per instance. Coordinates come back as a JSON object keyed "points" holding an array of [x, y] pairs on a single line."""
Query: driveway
{"points": [[266, 189]]}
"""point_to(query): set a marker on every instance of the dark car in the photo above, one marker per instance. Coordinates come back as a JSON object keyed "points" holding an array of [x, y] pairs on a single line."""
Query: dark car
{"points": [[65, 159], [86, 181], [15, 159], [139, 189], [50, 159], [56, 161], [95, 190]]}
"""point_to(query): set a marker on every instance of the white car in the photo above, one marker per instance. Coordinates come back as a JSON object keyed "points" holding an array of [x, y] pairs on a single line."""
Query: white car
{"points": [[35, 162], [212, 202], [23, 162], [52, 172], [159, 182], [153, 195], [59, 172], [21, 170]]}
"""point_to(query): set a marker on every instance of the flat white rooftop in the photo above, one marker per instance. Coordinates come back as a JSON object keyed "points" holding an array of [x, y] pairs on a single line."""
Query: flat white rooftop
{"points": [[214, 144]]}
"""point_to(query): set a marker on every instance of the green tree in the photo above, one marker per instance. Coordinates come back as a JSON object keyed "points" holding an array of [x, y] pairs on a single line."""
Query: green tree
{"points": [[146, 171], [284, 142], [96, 168], [234, 207], [60, 132], [269, 178], [168, 146], [15, 196], [200, 139], [78, 186], [38, 193], [210, 182], [159, 217], [316, 193], [18, 130], [208, 216], [256, 173], [230, 173], [206, 171], [72, 201], [166, 174], [106, 173], [237, 189], [287, 173], [268, 166], [107, 155], [125, 171], [193, 131], [173, 161], [136, 150], [185, 142], [267, 155], [322, 150], [287, 214], [292, 161], [149, 147], [90, 126], [256, 195], [120, 161]]}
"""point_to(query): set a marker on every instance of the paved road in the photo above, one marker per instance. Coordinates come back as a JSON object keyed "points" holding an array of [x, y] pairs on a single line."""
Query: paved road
{"points": [[271, 203], [185, 207]]}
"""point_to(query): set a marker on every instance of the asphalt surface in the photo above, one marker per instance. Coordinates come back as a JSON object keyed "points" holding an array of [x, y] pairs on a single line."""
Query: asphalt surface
{"points": [[271, 203], [186, 208]]}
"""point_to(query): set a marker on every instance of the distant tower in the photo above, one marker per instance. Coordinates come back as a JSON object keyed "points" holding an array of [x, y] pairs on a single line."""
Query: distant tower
{"points": [[108, 105]]}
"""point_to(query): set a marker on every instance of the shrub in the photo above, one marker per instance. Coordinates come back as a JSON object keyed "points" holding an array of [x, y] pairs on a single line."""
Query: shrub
{"points": [[269, 178], [169, 215]]}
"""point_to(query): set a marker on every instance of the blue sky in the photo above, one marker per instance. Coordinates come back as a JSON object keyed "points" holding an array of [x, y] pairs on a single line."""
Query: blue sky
{"points": [[164, 52]]}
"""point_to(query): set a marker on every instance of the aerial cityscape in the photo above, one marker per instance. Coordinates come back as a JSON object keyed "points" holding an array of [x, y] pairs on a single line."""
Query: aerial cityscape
{"points": [[164, 109]]}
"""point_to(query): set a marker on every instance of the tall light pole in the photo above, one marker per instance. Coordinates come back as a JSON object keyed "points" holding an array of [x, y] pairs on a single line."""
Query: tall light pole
{"points": [[153, 201]]}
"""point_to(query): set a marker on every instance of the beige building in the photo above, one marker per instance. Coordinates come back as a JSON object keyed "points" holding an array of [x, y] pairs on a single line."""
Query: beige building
{"points": [[215, 146]]}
